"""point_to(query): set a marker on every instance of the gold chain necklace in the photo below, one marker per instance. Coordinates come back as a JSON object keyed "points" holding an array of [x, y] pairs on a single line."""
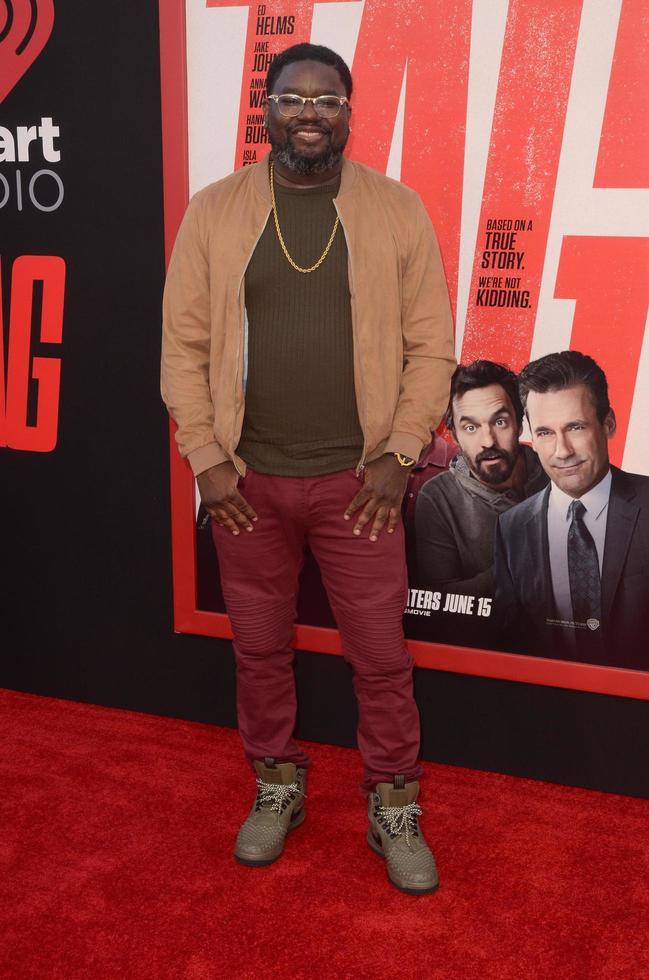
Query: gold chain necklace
{"points": [[298, 268]]}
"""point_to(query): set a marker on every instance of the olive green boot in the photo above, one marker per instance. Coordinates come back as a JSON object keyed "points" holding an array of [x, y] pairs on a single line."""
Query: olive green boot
{"points": [[395, 834], [278, 808]]}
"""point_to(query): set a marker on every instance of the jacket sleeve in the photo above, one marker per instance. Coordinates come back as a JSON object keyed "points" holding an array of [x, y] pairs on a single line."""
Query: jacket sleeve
{"points": [[428, 348], [186, 346], [439, 563]]}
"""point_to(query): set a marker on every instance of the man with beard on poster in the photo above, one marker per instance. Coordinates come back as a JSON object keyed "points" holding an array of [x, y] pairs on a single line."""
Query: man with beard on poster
{"points": [[572, 562], [307, 357], [457, 511]]}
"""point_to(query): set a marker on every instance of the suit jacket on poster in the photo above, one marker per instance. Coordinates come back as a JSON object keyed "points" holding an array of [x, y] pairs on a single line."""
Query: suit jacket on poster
{"points": [[524, 601]]}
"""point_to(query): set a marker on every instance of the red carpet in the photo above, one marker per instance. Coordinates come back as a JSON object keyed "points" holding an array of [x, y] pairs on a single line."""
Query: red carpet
{"points": [[116, 840]]}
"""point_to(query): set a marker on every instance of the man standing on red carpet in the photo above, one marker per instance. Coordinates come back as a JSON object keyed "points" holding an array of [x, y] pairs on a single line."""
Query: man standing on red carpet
{"points": [[307, 357]]}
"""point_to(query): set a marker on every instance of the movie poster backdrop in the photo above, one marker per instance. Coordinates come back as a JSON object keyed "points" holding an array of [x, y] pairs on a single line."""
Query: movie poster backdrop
{"points": [[523, 125]]}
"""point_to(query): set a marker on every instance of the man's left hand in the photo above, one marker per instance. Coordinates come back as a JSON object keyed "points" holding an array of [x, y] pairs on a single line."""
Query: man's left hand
{"points": [[380, 497]]}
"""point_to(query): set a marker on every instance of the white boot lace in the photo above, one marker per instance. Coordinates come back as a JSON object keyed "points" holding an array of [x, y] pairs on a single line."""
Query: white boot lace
{"points": [[275, 796], [400, 819]]}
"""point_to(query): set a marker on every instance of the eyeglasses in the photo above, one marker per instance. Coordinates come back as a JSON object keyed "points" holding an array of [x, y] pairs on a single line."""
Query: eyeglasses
{"points": [[326, 106]]}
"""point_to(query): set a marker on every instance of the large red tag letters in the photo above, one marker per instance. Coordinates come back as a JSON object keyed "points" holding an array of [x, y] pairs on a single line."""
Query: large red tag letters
{"points": [[22, 369]]}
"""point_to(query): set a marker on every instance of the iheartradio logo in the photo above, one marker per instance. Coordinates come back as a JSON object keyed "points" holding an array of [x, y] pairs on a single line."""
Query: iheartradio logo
{"points": [[25, 27]]}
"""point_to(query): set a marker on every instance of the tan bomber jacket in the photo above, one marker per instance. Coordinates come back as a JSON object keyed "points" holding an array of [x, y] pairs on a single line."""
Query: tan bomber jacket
{"points": [[401, 317]]}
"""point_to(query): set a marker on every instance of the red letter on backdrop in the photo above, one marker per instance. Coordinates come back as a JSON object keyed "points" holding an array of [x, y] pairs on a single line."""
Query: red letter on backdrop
{"points": [[526, 137], [609, 279], [41, 437], [623, 159], [433, 39]]}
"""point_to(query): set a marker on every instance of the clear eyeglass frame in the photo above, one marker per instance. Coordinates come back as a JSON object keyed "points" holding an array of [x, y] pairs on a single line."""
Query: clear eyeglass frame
{"points": [[326, 106]]}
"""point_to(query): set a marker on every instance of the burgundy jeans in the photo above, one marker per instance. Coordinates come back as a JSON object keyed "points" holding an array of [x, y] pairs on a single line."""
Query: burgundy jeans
{"points": [[366, 583]]}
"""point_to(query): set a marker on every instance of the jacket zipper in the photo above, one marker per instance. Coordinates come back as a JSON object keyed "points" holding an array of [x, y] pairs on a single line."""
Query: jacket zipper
{"points": [[360, 400], [241, 331]]}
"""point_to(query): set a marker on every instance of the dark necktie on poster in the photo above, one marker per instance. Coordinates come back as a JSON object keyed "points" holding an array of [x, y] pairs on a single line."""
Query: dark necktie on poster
{"points": [[583, 571]]}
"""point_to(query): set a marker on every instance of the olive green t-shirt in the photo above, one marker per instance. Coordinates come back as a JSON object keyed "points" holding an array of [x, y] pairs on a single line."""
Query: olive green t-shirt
{"points": [[301, 417]]}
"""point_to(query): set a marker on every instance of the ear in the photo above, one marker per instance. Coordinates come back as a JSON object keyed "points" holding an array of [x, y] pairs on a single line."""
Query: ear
{"points": [[526, 418], [266, 107], [610, 424]]}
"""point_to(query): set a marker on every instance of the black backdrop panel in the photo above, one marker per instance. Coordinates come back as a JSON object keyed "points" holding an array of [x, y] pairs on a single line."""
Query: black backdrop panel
{"points": [[86, 589]]}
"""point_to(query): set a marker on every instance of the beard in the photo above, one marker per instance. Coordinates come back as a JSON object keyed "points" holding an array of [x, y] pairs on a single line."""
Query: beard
{"points": [[498, 472], [300, 163]]}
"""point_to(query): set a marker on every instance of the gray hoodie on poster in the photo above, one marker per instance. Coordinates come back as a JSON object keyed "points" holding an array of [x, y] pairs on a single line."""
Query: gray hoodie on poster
{"points": [[456, 520]]}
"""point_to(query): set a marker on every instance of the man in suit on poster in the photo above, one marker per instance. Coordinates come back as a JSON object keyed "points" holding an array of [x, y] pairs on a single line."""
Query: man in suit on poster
{"points": [[307, 356], [572, 562]]}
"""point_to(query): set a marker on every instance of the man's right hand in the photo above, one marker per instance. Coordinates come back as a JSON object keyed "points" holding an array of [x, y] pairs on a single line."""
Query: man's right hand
{"points": [[221, 499]]}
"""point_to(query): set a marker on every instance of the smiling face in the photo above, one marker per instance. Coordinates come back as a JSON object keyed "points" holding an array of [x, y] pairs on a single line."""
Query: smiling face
{"points": [[571, 442], [487, 432], [307, 144]]}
